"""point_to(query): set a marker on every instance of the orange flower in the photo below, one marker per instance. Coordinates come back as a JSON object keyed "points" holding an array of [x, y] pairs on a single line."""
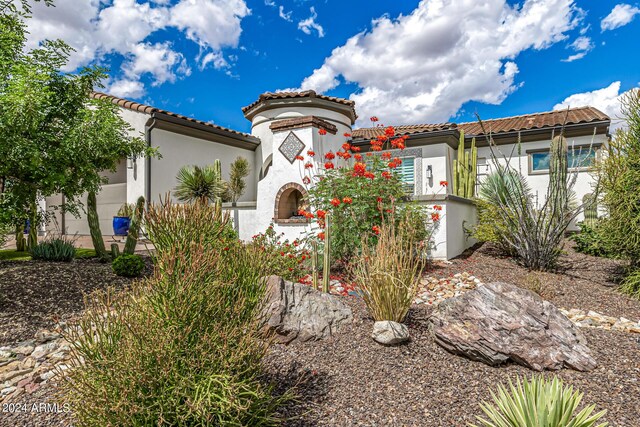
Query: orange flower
{"points": [[308, 165], [379, 199], [444, 183], [376, 229], [299, 158], [376, 148], [437, 207], [392, 165], [329, 156], [321, 235], [346, 146], [359, 169], [311, 153], [369, 175], [335, 202], [346, 156], [401, 145], [435, 217], [347, 135], [390, 131], [347, 200], [386, 175], [328, 165], [369, 154], [321, 213], [355, 149], [306, 180], [386, 155], [357, 157], [322, 132], [374, 119]]}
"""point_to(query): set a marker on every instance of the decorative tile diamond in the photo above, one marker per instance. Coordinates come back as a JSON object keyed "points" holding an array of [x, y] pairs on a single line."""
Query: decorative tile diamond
{"points": [[291, 147]]}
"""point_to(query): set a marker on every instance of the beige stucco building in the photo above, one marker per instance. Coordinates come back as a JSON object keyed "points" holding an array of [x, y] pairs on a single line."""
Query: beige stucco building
{"points": [[286, 124]]}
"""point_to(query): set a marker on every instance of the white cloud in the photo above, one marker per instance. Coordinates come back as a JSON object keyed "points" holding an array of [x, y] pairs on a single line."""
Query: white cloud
{"points": [[582, 45], [310, 23], [424, 66], [284, 15], [159, 60], [606, 100], [216, 59], [620, 16], [210, 23], [126, 88], [95, 28]]}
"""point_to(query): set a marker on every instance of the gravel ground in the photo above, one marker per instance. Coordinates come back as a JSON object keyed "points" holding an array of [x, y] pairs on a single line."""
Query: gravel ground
{"points": [[35, 294], [349, 380]]}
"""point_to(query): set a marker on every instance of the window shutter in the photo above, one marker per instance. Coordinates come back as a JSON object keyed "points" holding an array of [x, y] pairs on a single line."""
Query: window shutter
{"points": [[408, 173]]}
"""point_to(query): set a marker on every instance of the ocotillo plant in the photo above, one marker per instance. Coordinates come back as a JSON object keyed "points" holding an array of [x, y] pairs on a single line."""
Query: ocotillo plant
{"points": [[217, 170], [134, 229], [314, 264], [94, 226], [558, 176], [326, 265], [464, 169]]}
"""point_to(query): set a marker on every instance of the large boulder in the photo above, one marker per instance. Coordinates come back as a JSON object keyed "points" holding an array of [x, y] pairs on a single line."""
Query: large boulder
{"points": [[498, 322], [297, 311]]}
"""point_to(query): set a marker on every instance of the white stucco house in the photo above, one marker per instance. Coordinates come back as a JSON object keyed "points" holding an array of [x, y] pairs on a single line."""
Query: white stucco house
{"points": [[286, 124]]}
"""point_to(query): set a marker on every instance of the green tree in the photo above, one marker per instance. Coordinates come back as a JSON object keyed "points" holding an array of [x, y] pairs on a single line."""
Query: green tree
{"points": [[54, 138], [619, 175], [239, 171]]}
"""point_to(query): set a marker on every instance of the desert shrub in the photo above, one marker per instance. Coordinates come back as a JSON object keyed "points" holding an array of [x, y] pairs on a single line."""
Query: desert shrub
{"points": [[388, 274], [537, 403], [631, 284], [535, 283], [285, 259], [590, 240], [619, 176], [58, 249], [182, 348], [511, 217], [173, 226], [128, 265]]}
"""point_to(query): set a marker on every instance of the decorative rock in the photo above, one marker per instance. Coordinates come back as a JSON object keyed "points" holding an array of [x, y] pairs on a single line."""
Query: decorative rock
{"points": [[24, 348], [7, 391], [433, 290], [5, 354], [45, 335], [296, 311], [43, 349], [498, 322], [388, 332]]}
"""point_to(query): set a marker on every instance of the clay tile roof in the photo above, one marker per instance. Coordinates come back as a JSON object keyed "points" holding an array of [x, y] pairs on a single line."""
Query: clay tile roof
{"points": [[304, 121], [535, 121], [370, 133], [304, 94], [142, 108]]}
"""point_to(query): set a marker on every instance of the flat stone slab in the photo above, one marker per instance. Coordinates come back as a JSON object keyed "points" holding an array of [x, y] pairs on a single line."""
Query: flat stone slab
{"points": [[500, 322]]}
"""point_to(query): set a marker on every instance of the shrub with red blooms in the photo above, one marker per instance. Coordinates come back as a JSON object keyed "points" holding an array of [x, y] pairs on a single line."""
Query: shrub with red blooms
{"points": [[360, 194], [286, 259]]}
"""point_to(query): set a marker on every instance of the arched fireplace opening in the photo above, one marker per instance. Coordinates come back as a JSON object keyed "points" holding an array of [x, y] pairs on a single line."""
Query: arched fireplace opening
{"points": [[289, 201]]}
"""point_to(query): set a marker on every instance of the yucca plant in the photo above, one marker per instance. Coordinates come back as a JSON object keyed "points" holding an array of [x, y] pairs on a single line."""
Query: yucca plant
{"points": [[203, 184], [388, 274], [537, 403]]}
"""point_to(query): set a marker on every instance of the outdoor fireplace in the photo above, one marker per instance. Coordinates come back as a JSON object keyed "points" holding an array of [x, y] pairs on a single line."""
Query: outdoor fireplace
{"points": [[289, 201]]}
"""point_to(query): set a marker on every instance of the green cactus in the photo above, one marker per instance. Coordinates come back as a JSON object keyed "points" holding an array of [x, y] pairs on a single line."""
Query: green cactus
{"points": [[326, 265], [465, 169], [115, 251], [590, 203], [134, 229], [21, 243], [94, 227], [558, 168]]}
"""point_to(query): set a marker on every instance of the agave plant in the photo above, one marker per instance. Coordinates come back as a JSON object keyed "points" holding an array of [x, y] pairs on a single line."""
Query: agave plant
{"points": [[538, 403], [202, 184]]}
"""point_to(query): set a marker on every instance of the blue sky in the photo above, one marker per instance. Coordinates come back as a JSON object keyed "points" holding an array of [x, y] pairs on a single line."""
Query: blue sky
{"points": [[404, 61]]}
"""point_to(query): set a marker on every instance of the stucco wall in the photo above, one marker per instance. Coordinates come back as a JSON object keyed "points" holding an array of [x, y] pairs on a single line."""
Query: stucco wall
{"points": [[136, 175], [180, 150], [584, 182]]}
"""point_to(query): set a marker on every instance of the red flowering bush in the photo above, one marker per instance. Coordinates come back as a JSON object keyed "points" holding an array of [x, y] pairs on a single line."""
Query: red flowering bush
{"points": [[360, 192], [286, 259]]}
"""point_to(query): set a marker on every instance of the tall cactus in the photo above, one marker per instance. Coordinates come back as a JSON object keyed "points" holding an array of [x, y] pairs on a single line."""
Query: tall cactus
{"points": [[134, 229], [465, 169], [94, 227], [326, 264], [314, 263], [590, 203], [558, 169]]}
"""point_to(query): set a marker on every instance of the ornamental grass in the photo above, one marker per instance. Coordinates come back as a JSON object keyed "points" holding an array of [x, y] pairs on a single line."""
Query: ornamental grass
{"points": [[388, 273], [182, 348]]}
